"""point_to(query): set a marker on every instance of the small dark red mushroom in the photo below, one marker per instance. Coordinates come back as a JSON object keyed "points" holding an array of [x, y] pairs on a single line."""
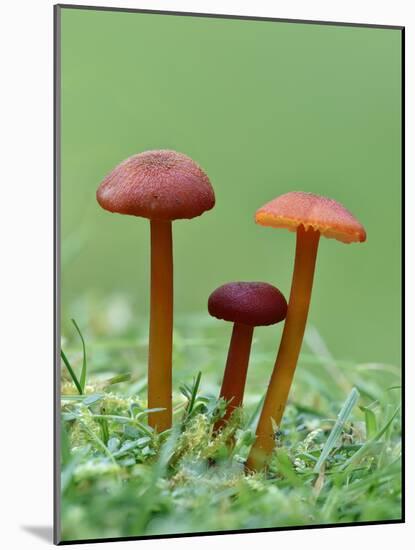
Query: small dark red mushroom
{"points": [[247, 305]]}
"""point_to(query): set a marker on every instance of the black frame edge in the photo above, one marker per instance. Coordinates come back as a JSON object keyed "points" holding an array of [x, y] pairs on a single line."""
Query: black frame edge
{"points": [[403, 261], [225, 16], [56, 272]]}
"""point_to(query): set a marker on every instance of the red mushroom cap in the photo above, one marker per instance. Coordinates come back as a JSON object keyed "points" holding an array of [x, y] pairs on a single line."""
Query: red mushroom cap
{"points": [[253, 304], [325, 215], [161, 185]]}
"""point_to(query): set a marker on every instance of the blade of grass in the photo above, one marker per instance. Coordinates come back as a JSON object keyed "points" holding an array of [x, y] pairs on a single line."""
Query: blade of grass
{"points": [[368, 445], [71, 372], [82, 379], [387, 436], [335, 433], [116, 380], [370, 421], [319, 483], [193, 394], [105, 435]]}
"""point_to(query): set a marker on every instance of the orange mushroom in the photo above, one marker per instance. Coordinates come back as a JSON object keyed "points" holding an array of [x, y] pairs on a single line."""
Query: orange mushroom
{"points": [[310, 216], [247, 305], [162, 186]]}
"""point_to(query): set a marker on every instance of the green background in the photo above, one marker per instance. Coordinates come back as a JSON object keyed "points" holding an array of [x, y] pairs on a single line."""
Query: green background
{"points": [[265, 108]]}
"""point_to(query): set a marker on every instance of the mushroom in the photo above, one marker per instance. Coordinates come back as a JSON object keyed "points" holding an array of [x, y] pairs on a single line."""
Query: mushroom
{"points": [[310, 216], [162, 186], [247, 305]]}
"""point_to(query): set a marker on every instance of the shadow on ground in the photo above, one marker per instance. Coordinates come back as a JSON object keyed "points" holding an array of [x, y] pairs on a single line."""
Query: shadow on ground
{"points": [[43, 532]]}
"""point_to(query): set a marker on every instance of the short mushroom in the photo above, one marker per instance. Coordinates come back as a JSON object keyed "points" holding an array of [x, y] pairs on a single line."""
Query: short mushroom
{"points": [[162, 186], [247, 305], [310, 216]]}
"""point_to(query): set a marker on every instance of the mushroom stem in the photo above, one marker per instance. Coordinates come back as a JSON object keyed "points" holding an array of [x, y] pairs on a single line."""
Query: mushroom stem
{"points": [[292, 337], [236, 368], [161, 326]]}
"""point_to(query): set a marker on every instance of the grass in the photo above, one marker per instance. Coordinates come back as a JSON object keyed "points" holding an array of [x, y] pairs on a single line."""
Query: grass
{"points": [[338, 454]]}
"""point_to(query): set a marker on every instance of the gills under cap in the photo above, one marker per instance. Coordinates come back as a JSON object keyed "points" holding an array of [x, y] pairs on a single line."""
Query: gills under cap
{"points": [[322, 214], [161, 185], [248, 303]]}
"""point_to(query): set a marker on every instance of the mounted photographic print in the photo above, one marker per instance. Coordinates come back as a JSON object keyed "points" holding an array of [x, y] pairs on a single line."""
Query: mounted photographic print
{"points": [[229, 271]]}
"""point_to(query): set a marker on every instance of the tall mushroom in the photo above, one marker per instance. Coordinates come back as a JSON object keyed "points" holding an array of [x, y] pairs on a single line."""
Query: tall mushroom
{"points": [[247, 305], [310, 216], [162, 186]]}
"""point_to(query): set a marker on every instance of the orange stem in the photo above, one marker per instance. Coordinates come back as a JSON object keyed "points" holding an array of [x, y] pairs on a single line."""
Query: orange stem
{"points": [[161, 326], [236, 368], [292, 338]]}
